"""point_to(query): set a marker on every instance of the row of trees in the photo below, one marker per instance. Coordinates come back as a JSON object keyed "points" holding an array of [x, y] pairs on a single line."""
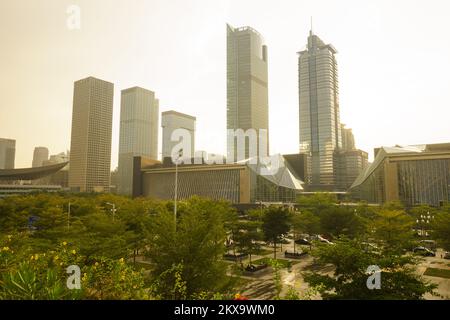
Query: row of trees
{"points": [[186, 263], [186, 255]]}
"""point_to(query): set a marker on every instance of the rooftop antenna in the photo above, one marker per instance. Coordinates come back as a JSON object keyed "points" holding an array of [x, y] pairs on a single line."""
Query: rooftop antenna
{"points": [[311, 31]]}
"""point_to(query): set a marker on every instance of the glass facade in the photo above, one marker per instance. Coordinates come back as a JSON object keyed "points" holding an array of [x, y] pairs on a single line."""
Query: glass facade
{"points": [[424, 181], [237, 183], [247, 89], [267, 191], [413, 175]]}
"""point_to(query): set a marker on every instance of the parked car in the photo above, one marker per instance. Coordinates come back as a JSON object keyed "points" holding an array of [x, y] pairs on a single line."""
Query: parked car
{"points": [[323, 240], [424, 252], [303, 241], [430, 244]]}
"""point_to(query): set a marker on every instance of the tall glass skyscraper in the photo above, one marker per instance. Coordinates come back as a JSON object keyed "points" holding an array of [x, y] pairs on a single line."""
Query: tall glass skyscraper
{"points": [[139, 124], [320, 128], [247, 92]]}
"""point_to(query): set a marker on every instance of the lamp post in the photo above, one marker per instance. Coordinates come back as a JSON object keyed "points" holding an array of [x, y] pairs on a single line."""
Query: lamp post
{"points": [[113, 210], [180, 154], [68, 218], [424, 219]]}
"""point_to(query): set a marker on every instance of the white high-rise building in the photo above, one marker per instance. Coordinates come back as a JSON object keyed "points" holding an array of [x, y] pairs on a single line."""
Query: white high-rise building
{"points": [[139, 124], [40, 155], [171, 121]]}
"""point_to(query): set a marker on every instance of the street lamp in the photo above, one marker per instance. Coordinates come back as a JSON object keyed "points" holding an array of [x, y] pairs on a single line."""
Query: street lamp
{"points": [[113, 210], [424, 220], [180, 154], [68, 218]]}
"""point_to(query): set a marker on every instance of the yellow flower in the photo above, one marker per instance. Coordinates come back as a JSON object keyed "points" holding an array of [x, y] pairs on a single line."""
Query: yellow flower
{"points": [[56, 258], [5, 249], [121, 260], [74, 252], [36, 256], [64, 243], [96, 264], [60, 263], [237, 296]]}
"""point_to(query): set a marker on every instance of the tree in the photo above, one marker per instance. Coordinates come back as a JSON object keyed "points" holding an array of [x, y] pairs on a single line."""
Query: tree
{"points": [[276, 224], [195, 248], [399, 281], [247, 238], [441, 227], [305, 222], [317, 201], [393, 229], [338, 221]]}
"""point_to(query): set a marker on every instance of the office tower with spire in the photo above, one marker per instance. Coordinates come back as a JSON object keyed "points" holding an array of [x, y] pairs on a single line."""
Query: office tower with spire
{"points": [[247, 91], [139, 125], [90, 148], [40, 155], [319, 119]]}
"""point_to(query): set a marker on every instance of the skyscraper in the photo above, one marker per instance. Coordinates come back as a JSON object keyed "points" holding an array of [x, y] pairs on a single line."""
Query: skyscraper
{"points": [[7, 153], [40, 155], [139, 124], [348, 140], [247, 91], [320, 128], [90, 149], [171, 121]]}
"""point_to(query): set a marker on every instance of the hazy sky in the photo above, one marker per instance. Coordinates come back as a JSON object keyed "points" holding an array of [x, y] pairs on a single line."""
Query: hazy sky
{"points": [[393, 56]]}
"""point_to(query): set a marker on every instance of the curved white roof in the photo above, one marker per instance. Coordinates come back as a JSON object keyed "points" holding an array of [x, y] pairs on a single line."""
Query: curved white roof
{"points": [[278, 171]]}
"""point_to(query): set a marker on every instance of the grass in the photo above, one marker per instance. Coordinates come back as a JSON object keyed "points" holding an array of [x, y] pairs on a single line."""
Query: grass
{"points": [[263, 252], [284, 263], [441, 273]]}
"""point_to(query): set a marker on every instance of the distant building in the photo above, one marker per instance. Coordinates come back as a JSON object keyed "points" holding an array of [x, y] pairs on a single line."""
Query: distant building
{"points": [[40, 155], [411, 174], [139, 125], [348, 140], [90, 149], [61, 177], [247, 87], [348, 166], [7, 153], [237, 183], [171, 121], [319, 114]]}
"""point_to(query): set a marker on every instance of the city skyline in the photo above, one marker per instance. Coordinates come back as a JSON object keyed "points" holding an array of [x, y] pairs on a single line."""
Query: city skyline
{"points": [[392, 100]]}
